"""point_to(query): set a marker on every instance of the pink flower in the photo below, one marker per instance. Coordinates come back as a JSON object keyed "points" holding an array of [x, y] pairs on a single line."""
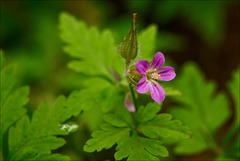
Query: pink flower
{"points": [[129, 103], [153, 73]]}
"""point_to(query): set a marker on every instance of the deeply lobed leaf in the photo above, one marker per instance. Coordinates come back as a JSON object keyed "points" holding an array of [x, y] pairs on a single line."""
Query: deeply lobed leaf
{"points": [[120, 129], [12, 103], [106, 138], [34, 140], [147, 40], [139, 148], [116, 130], [95, 50], [199, 103], [160, 126]]}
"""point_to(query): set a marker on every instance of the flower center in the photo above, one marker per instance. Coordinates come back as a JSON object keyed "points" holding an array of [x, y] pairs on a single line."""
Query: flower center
{"points": [[152, 75]]}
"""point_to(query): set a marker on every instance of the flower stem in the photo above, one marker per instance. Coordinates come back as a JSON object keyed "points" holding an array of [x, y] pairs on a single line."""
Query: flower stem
{"points": [[136, 106], [133, 96]]}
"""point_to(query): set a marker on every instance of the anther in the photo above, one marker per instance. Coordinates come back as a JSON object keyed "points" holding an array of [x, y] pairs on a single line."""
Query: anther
{"points": [[157, 77], [156, 74], [155, 69], [148, 70], [147, 81], [155, 83]]}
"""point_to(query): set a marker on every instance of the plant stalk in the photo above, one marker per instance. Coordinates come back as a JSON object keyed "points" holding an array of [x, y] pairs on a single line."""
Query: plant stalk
{"points": [[133, 96]]}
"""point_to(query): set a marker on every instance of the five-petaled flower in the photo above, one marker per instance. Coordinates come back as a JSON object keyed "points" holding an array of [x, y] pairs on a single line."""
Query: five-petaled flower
{"points": [[151, 74]]}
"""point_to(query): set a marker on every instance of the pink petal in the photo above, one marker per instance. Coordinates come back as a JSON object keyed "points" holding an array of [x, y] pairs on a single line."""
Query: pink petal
{"points": [[142, 66], [129, 103], [167, 73], [158, 61], [142, 86], [157, 92]]}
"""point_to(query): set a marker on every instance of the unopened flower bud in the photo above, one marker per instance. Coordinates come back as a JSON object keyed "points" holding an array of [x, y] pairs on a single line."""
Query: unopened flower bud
{"points": [[134, 76], [128, 102], [129, 47]]}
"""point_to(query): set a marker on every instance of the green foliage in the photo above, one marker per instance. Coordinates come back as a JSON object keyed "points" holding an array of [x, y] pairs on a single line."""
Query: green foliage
{"points": [[12, 100], [233, 86], [2, 58], [31, 140], [171, 91], [140, 148], [233, 136], [200, 108], [34, 140], [97, 57], [115, 130], [95, 92], [96, 50], [120, 129], [160, 126], [147, 40]]}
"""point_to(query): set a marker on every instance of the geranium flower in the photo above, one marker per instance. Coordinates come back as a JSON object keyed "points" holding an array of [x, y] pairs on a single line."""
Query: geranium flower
{"points": [[151, 74]]}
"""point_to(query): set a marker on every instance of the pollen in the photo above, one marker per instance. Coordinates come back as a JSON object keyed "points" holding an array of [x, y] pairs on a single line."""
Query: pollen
{"points": [[156, 74], [155, 83], [148, 70], [147, 81], [155, 69], [157, 77]]}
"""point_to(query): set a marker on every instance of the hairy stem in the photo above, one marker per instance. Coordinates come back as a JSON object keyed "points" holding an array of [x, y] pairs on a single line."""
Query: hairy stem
{"points": [[133, 96], [135, 104]]}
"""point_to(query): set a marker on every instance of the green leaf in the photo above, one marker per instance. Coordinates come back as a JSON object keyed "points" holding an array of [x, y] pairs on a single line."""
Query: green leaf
{"points": [[106, 137], [234, 150], [116, 129], [51, 157], [232, 153], [147, 40], [147, 113], [8, 81], [113, 97], [12, 108], [171, 91], [122, 118], [34, 140], [233, 86], [200, 108], [82, 100], [2, 58], [160, 126], [96, 51], [233, 135], [12, 100], [96, 91], [139, 148], [96, 55], [120, 125]]}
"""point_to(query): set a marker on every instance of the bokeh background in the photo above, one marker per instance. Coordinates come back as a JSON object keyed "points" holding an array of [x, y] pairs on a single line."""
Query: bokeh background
{"points": [[206, 32]]}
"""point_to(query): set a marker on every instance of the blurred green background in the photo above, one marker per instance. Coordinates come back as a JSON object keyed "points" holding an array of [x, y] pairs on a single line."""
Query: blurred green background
{"points": [[206, 32]]}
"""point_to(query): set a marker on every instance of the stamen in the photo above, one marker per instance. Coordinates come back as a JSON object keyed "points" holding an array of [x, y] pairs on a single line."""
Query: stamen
{"points": [[147, 81], [155, 83], [157, 77], [156, 74], [148, 70], [155, 69]]}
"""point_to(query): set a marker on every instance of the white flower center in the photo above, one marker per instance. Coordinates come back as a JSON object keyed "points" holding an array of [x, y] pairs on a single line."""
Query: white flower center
{"points": [[152, 75]]}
